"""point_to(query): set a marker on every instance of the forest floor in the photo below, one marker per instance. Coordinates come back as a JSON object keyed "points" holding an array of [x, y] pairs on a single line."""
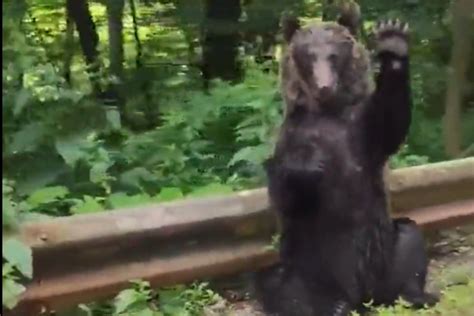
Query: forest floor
{"points": [[451, 275]]}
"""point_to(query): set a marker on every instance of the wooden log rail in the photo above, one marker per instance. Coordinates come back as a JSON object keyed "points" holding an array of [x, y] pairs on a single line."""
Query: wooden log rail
{"points": [[90, 257]]}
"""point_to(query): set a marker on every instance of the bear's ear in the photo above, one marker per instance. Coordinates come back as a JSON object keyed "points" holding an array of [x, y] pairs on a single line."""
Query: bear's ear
{"points": [[349, 16], [290, 25]]}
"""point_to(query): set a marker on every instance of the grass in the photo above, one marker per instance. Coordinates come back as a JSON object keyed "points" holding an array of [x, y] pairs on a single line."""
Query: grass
{"points": [[457, 296]]}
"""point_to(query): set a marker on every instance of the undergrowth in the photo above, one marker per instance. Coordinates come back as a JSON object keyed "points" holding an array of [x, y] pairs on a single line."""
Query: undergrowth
{"points": [[456, 300]]}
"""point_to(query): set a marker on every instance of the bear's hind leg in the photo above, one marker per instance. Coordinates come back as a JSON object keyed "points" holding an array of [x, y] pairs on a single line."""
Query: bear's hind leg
{"points": [[282, 293], [408, 272], [332, 308]]}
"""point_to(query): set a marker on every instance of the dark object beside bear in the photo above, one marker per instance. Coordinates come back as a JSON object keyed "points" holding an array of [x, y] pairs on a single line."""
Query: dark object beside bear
{"points": [[339, 246]]}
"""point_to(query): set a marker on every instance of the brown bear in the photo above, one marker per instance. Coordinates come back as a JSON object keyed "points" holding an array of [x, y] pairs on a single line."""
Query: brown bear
{"points": [[339, 246]]}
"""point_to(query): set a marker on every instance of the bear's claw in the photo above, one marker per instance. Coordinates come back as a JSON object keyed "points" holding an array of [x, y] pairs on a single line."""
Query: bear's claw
{"points": [[392, 36]]}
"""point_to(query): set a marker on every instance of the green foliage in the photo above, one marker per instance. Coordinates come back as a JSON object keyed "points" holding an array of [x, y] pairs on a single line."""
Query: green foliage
{"points": [[11, 289], [211, 141], [456, 284], [9, 208], [18, 261], [134, 300], [17, 257], [455, 300], [141, 300]]}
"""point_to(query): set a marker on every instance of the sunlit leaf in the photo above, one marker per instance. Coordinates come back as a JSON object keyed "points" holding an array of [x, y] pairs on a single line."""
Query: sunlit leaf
{"points": [[72, 148], [18, 255], [127, 298], [169, 194], [211, 189], [11, 291], [98, 172], [47, 195], [88, 205]]}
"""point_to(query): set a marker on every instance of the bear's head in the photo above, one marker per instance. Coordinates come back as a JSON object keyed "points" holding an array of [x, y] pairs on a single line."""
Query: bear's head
{"points": [[323, 69]]}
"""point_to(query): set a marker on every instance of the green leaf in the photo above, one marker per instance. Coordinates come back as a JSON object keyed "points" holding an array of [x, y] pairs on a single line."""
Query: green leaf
{"points": [[169, 194], [98, 172], [175, 310], [135, 176], [126, 299], [7, 269], [211, 189], [255, 154], [147, 312], [19, 255], [47, 195], [72, 148], [27, 139], [37, 171], [122, 200], [88, 205], [11, 291], [8, 213], [112, 116], [21, 100]]}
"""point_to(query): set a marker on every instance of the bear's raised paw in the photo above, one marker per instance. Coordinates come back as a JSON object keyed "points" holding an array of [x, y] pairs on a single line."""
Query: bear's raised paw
{"points": [[392, 36]]}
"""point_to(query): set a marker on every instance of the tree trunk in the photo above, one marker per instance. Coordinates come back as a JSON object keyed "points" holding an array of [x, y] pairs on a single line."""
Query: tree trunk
{"points": [[80, 14], [69, 47], [221, 40], [151, 109], [461, 53], [262, 26], [138, 43], [114, 18], [116, 55]]}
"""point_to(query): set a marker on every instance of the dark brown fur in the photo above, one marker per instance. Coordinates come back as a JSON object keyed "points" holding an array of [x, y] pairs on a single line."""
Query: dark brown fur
{"points": [[339, 246], [298, 83]]}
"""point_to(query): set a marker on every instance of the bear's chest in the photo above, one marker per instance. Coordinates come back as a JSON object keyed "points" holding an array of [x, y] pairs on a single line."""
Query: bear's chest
{"points": [[338, 143]]}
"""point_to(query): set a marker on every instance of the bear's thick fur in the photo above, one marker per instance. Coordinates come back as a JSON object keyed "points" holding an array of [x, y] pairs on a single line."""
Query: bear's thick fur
{"points": [[339, 246]]}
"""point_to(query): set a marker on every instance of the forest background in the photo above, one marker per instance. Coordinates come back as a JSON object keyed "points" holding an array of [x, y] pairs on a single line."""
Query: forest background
{"points": [[113, 103]]}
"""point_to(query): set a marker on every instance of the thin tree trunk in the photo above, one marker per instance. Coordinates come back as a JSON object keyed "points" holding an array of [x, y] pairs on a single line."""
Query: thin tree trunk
{"points": [[88, 37], [221, 40], [138, 43], [457, 75], [152, 107], [115, 23], [116, 55], [69, 47]]}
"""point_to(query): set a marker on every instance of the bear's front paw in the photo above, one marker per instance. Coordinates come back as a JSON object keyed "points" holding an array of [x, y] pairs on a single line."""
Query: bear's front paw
{"points": [[392, 36]]}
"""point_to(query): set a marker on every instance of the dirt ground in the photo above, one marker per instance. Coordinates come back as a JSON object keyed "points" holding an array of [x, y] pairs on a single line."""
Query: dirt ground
{"points": [[451, 261]]}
